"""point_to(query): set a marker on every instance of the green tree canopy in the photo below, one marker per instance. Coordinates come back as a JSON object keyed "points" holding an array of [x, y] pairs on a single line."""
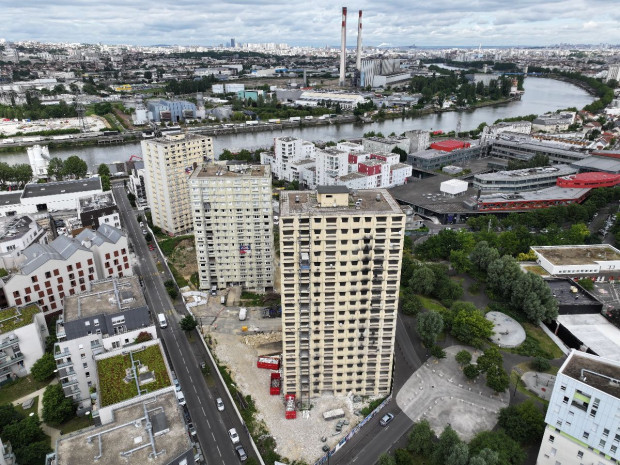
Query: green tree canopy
{"points": [[469, 324], [421, 438], [56, 407], [463, 357], [509, 451], [524, 422], [55, 169], [75, 166], [448, 440], [430, 324], [423, 280], [103, 170], [482, 255], [43, 369], [188, 323]]}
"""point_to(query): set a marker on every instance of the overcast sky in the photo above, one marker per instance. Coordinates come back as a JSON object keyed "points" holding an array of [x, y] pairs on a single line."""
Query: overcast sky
{"points": [[316, 23]]}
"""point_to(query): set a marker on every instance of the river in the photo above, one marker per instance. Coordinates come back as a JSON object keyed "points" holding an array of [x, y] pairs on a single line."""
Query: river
{"points": [[541, 95]]}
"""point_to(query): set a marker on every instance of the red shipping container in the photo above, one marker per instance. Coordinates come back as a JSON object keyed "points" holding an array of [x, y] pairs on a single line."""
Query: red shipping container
{"points": [[269, 363], [274, 386], [290, 412]]}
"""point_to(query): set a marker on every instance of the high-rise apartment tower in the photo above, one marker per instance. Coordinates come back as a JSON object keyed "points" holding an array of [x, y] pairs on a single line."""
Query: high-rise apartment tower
{"points": [[168, 162], [233, 225], [340, 257]]}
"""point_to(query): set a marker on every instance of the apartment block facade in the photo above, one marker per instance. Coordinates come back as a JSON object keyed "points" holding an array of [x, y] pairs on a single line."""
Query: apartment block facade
{"points": [[286, 153], [340, 272], [168, 163], [233, 225], [583, 417]]}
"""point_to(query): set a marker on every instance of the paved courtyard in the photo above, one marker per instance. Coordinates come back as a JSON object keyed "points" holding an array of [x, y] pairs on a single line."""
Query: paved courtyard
{"points": [[440, 393], [507, 331]]}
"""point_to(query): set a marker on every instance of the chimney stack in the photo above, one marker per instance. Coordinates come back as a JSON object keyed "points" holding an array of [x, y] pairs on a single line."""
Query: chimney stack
{"points": [[343, 46], [358, 64]]}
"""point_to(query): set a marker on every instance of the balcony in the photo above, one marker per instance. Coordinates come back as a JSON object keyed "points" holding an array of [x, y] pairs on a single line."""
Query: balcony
{"points": [[64, 365], [9, 341], [66, 372], [61, 354], [7, 361], [69, 383]]}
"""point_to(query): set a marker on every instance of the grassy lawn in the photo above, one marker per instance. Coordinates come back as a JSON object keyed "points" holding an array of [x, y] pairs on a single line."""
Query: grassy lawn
{"points": [[112, 372], [20, 388], [536, 269], [431, 304], [33, 409], [525, 366], [523, 390], [75, 424], [543, 340]]}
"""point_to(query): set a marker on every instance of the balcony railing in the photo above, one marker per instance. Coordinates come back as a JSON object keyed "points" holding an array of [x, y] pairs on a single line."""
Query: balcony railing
{"points": [[8, 361], [9, 341]]}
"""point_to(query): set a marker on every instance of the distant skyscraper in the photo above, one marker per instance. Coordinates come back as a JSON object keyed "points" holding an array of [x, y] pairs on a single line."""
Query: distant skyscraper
{"points": [[232, 43]]}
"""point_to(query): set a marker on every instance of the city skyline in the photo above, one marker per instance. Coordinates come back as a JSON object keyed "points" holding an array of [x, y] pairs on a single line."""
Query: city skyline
{"points": [[393, 23]]}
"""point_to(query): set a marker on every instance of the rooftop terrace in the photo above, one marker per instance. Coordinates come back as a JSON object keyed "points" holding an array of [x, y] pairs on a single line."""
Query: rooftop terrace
{"points": [[595, 372], [230, 171], [13, 318], [117, 382], [578, 254], [297, 203]]}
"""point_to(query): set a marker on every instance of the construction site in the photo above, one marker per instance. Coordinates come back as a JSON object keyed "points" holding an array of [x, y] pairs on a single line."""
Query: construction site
{"points": [[9, 127]]}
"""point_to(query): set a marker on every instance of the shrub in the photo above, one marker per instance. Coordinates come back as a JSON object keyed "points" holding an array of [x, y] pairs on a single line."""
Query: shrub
{"points": [[463, 357], [540, 364], [43, 369], [471, 371], [438, 352]]}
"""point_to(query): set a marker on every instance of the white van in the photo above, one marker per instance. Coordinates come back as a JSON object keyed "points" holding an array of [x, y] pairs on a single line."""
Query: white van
{"points": [[181, 398], [162, 320], [243, 313]]}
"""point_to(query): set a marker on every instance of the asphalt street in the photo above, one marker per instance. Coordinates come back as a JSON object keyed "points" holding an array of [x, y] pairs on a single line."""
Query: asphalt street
{"points": [[211, 425]]}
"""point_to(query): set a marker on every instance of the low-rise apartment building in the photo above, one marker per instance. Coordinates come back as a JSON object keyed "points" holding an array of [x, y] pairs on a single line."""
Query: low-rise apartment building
{"points": [[99, 209], [16, 234], [67, 266], [22, 340]]}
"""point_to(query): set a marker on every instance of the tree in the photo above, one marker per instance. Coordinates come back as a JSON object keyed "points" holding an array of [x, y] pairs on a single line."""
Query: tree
{"points": [[459, 455], [447, 441], [411, 305], [540, 364], [421, 439], [24, 432], [460, 261], [105, 183], [22, 173], [463, 357], [471, 371], [491, 357], [402, 457], [523, 422], [34, 453], [103, 170], [8, 415], [586, 283], [75, 166], [531, 295], [55, 168], [469, 324], [430, 324], [188, 323], [502, 273], [5, 172], [143, 336], [43, 369], [497, 379], [148, 75], [509, 451], [56, 407], [423, 280], [482, 255], [386, 459]]}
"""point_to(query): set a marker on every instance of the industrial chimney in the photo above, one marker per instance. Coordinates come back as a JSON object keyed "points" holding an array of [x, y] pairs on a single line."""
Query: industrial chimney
{"points": [[343, 46], [358, 63]]}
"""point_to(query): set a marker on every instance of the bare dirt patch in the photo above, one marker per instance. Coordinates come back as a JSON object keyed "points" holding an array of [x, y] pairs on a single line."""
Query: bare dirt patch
{"points": [[183, 258]]}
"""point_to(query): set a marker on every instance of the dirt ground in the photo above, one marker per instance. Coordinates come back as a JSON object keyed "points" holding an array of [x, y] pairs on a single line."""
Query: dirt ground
{"points": [[184, 258], [299, 439]]}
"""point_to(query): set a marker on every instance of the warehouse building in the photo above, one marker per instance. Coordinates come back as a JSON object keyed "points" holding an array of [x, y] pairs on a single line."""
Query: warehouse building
{"points": [[521, 180]]}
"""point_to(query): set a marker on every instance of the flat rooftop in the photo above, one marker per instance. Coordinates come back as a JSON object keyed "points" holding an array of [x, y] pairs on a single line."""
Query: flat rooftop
{"points": [[425, 193], [610, 165], [116, 383], [549, 193], [562, 290], [15, 228], [230, 171], [308, 204], [10, 198], [580, 361], [170, 439], [61, 187], [13, 318], [529, 173], [106, 296], [97, 202], [578, 254]]}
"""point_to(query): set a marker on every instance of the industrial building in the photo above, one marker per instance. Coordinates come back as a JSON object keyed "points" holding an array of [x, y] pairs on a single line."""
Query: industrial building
{"points": [[168, 163], [382, 72], [490, 133], [171, 110], [109, 316], [521, 180], [340, 255], [589, 180], [431, 159], [528, 200], [582, 424], [347, 101], [521, 147], [233, 225], [553, 122]]}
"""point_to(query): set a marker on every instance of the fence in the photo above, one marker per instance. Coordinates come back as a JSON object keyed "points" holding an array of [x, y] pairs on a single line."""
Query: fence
{"points": [[353, 432]]}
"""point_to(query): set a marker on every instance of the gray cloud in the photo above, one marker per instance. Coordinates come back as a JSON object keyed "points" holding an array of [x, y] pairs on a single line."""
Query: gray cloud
{"points": [[191, 22]]}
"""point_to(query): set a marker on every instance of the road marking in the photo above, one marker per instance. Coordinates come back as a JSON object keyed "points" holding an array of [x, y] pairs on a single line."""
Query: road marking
{"points": [[195, 389], [208, 423], [213, 437], [354, 458], [218, 448], [203, 411]]}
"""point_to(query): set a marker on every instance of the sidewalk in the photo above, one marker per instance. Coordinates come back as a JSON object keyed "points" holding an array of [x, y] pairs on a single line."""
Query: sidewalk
{"points": [[53, 433]]}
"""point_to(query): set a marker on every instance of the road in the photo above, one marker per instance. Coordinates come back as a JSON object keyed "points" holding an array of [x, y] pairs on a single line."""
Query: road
{"points": [[211, 425]]}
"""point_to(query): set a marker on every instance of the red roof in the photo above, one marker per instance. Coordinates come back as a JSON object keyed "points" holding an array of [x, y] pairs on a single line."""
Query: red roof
{"points": [[449, 145], [589, 180]]}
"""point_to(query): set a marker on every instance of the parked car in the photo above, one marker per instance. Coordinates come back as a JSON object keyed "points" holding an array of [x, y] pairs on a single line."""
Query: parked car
{"points": [[241, 453], [385, 419], [234, 437]]}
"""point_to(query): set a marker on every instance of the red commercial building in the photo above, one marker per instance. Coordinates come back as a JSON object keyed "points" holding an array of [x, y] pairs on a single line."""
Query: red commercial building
{"points": [[450, 145], [589, 180]]}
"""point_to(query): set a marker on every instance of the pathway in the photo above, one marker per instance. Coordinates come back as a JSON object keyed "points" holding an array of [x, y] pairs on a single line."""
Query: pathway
{"points": [[53, 433]]}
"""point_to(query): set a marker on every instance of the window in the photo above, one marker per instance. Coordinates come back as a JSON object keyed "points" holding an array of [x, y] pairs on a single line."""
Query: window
{"points": [[84, 365], [551, 439], [88, 374], [586, 435], [601, 443], [580, 454]]}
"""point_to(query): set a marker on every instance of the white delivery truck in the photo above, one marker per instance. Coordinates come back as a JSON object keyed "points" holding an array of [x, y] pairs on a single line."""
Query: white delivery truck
{"points": [[243, 313], [162, 320]]}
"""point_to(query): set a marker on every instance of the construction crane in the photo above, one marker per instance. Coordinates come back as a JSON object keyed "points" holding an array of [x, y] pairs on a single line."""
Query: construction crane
{"points": [[134, 157]]}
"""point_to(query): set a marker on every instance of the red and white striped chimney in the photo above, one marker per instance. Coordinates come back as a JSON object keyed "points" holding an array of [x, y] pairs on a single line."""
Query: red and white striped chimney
{"points": [[343, 46], [358, 63]]}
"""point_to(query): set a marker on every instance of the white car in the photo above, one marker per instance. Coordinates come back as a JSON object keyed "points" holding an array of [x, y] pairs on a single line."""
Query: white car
{"points": [[234, 437], [388, 417], [220, 404]]}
